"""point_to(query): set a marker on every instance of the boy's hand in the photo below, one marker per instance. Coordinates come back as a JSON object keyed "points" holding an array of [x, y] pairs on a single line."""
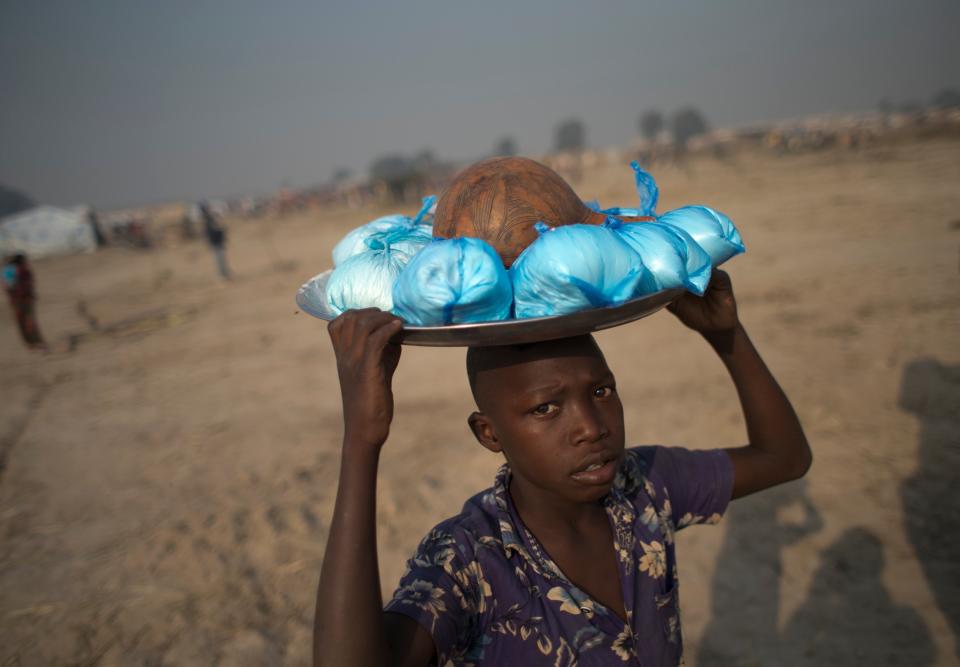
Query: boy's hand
{"points": [[715, 312], [366, 361]]}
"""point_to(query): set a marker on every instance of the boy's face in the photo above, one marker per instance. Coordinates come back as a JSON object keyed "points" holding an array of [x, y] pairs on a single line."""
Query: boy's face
{"points": [[553, 410]]}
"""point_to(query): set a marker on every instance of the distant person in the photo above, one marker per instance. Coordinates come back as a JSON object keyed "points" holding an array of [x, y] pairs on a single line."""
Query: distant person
{"points": [[94, 221], [18, 279], [217, 238]]}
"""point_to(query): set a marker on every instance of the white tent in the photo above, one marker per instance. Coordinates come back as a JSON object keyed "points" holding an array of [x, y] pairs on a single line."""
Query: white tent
{"points": [[47, 230]]}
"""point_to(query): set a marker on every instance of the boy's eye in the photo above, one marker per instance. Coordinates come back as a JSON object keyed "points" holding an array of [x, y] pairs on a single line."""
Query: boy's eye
{"points": [[603, 392], [545, 409]]}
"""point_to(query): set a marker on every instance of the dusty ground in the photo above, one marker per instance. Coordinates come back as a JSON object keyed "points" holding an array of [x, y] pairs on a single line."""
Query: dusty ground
{"points": [[168, 484]]}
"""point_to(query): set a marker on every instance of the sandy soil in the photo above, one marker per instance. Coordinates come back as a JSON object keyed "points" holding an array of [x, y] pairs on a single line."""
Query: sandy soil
{"points": [[168, 485]]}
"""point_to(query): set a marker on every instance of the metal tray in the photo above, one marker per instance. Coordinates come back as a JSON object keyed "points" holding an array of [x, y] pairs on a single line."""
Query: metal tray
{"points": [[312, 299]]}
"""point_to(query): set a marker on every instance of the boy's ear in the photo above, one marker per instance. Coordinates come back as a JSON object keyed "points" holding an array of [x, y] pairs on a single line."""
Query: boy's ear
{"points": [[483, 431]]}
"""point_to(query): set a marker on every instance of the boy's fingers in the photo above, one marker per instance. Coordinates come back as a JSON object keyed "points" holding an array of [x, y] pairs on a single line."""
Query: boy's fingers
{"points": [[374, 323], [370, 318], [720, 279], [335, 328], [674, 305], [382, 335], [355, 325]]}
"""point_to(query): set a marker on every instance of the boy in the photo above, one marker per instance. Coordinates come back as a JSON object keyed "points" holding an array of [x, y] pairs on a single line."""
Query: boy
{"points": [[569, 558]]}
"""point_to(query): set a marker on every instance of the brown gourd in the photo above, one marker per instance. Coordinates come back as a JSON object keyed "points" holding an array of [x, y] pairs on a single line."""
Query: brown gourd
{"points": [[500, 200]]}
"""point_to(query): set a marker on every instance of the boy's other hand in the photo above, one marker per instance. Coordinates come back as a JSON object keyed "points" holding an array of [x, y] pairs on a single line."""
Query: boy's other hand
{"points": [[367, 357], [713, 313]]}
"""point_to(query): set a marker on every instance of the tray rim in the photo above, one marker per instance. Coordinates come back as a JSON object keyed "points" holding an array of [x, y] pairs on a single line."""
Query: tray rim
{"points": [[509, 332]]}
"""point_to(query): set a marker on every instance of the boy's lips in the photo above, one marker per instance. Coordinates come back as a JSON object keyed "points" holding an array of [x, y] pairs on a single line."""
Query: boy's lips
{"points": [[598, 469]]}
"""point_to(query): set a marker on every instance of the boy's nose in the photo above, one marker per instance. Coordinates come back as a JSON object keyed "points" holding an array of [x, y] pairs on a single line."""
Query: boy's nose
{"points": [[589, 425]]}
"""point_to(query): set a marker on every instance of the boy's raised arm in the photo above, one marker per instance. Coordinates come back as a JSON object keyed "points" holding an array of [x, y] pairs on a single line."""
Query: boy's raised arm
{"points": [[349, 626], [778, 451]]}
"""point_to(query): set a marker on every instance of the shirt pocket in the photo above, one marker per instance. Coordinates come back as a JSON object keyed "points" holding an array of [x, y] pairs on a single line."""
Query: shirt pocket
{"points": [[668, 613]]}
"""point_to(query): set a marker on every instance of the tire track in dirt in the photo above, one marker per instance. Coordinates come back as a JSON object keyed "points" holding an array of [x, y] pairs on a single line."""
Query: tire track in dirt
{"points": [[19, 426]]}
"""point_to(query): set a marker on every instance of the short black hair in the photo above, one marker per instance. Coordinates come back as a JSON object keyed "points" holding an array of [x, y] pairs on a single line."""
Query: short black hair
{"points": [[481, 358], [484, 358]]}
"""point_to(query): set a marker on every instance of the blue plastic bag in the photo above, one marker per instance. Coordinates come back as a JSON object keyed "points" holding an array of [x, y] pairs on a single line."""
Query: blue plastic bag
{"points": [[671, 255], [400, 232], [574, 267], [366, 280], [711, 229], [453, 281], [647, 191]]}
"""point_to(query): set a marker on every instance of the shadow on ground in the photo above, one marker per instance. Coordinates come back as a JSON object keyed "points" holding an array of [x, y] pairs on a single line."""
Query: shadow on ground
{"points": [[847, 617], [931, 501], [743, 629]]}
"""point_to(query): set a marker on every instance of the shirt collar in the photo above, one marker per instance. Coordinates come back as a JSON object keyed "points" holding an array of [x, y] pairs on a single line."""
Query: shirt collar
{"points": [[517, 539]]}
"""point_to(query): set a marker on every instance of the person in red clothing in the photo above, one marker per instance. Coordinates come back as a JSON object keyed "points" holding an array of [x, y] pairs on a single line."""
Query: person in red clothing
{"points": [[18, 279]]}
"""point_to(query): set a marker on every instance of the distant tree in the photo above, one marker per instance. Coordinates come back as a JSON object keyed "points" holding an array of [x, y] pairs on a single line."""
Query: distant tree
{"points": [[13, 201], [911, 106], [650, 124], [341, 174], [570, 135], [394, 171], [425, 166], [948, 98], [686, 124], [424, 162], [885, 106], [506, 147]]}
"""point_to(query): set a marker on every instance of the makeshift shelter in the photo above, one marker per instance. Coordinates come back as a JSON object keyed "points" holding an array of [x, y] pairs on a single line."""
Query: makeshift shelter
{"points": [[47, 230]]}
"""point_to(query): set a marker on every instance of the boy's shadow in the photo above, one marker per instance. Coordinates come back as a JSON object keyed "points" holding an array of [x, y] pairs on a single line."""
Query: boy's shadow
{"points": [[743, 628], [931, 500], [848, 617]]}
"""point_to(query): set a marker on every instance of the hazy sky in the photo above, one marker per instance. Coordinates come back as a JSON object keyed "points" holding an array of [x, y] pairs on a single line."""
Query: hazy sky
{"points": [[122, 102]]}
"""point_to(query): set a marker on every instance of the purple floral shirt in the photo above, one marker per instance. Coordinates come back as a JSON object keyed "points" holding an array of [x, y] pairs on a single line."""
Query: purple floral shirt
{"points": [[487, 592]]}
